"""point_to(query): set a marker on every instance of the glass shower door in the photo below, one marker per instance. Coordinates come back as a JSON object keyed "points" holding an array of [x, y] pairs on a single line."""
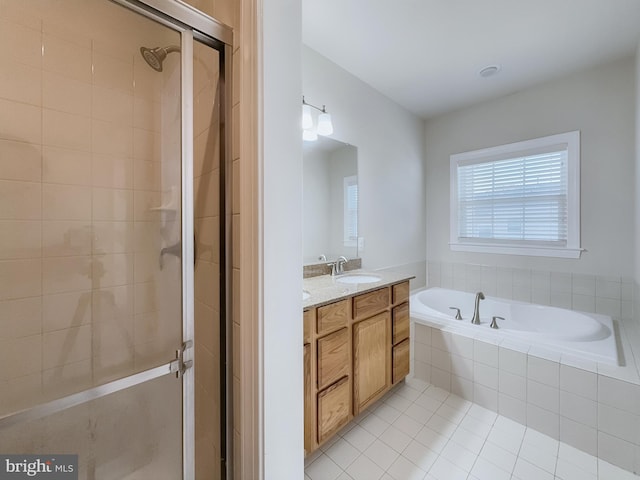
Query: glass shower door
{"points": [[92, 278]]}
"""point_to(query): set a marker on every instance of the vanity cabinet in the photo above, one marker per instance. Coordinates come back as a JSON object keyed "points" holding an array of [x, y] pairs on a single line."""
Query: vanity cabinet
{"points": [[355, 349]]}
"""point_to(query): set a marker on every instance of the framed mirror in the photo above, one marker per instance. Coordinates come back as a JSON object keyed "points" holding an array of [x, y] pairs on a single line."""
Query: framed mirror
{"points": [[330, 197]]}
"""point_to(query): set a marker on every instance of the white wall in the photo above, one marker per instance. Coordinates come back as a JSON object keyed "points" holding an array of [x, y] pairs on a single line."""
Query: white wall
{"points": [[637, 184], [600, 103], [390, 162], [281, 282]]}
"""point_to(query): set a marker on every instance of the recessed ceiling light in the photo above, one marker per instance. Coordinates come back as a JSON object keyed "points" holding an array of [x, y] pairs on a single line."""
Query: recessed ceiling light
{"points": [[490, 71]]}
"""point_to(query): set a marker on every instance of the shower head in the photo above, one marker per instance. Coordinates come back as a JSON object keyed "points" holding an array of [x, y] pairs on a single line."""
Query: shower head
{"points": [[155, 56]]}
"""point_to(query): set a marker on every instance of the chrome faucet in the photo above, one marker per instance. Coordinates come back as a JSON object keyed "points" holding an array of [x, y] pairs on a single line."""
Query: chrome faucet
{"points": [[340, 265], [476, 311]]}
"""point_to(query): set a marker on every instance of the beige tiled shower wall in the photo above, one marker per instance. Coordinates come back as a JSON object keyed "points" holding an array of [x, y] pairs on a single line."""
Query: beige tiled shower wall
{"points": [[89, 144]]}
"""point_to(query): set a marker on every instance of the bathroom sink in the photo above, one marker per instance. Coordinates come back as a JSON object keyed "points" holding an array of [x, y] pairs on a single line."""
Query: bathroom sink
{"points": [[305, 295], [357, 278]]}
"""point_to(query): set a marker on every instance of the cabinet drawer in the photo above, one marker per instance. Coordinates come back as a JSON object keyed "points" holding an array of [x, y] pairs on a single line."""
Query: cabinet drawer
{"points": [[370, 303], [400, 292], [333, 316], [333, 408], [333, 357], [400, 323], [400, 361], [307, 322]]}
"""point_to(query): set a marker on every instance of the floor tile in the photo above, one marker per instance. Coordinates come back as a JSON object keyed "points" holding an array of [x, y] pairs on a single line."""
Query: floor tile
{"points": [[403, 469], [395, 438], [342, 453], [527, 471], [485, 470], [381, 454], [443, 469], [399, 402], [418, 413], [420, 455], [323, 468], [498, 456], [363, 468], [544, 459], [441, 425], [407, 425], [432, 439], [459, 456], [359, 438], [374, 424], [568, 471], [468, 440], [462, 441], [387, 412], [409, 392]]}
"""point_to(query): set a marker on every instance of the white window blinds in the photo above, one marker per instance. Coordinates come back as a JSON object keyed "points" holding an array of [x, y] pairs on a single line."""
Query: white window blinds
{"points": [[522, 199]]}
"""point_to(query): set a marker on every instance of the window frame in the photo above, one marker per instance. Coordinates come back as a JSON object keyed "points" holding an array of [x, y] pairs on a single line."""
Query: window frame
{"points": [[572, 248]]}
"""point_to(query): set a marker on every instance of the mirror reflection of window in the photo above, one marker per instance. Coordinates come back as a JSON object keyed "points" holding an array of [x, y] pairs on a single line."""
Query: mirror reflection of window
{"points": [[351, 211]]}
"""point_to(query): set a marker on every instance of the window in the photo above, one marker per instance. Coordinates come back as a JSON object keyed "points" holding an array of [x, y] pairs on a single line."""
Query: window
{"points": [[520, 199], [350, 210]]}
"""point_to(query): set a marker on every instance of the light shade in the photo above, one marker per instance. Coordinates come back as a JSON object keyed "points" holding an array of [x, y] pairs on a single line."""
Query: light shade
{"points": [[325, 127], [309, 135], [307, 121]]}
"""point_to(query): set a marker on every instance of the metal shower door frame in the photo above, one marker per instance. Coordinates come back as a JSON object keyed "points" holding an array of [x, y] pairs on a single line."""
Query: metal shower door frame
{"points": [[194, 25]]}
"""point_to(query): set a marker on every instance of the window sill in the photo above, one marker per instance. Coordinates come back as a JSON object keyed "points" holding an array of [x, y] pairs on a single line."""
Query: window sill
{"points": [[537, 251]]}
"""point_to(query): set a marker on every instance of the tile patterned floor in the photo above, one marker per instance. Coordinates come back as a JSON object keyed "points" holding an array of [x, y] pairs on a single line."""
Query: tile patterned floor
{"points": [[421, 432]]}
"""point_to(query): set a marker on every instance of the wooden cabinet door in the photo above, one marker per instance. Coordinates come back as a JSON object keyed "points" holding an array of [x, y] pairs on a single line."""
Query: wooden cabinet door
{"points": [[333, 409], [371, 350], [401, 361]]}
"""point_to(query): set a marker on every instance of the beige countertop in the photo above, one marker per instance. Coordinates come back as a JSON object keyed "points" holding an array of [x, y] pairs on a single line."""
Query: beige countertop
{"points": [[325, 289]]}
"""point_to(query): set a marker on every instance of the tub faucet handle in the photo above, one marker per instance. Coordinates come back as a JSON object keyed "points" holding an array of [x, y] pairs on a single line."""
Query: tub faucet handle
{"points": [[494, 323], [458, 316]]}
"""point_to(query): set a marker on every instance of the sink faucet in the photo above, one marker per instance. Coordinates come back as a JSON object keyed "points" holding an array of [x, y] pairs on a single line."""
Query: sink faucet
{"points": [[340, 265], [476, 311]]}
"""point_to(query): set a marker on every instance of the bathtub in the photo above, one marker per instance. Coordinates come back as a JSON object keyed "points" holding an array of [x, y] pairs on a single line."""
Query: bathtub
{"points": [[588, 336]]}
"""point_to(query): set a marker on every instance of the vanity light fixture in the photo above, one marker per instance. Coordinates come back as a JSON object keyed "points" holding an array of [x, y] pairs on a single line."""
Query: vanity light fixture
{"points": [[325, 126]]}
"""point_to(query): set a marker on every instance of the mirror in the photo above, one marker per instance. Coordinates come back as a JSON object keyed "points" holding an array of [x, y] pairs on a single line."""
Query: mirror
{"points": [[330, 200]]}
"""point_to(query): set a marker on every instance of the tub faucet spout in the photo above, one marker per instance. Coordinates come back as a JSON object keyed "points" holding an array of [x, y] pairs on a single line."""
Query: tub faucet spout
{"points": [[476, 311]]}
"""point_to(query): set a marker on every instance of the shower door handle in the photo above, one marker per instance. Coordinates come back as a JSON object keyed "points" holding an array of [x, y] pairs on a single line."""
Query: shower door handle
{"points": [[179, 366]]}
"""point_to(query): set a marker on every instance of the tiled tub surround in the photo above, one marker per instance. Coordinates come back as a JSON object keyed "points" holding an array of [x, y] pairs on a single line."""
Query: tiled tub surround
{"points": [[592, 406], [607, 295]]}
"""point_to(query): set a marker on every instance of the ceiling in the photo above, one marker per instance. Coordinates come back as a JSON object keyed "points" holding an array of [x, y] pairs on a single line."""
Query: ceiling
{"points": [[426, 54]]}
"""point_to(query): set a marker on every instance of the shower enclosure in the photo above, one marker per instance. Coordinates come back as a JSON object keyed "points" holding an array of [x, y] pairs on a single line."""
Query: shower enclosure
{"points": [[114, 343]]}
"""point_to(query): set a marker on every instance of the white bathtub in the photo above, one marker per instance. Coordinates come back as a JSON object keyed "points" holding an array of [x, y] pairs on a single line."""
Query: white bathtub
{"points": [[586, 335]]}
